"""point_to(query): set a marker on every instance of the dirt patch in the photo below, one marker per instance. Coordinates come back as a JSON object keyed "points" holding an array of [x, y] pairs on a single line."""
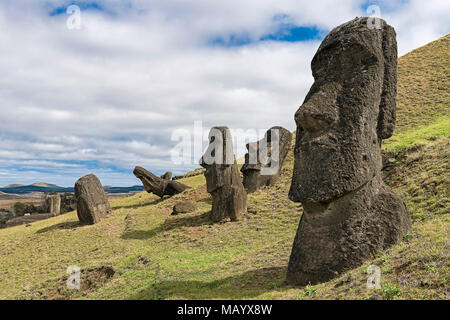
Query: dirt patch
{"points": [[90, 280]]}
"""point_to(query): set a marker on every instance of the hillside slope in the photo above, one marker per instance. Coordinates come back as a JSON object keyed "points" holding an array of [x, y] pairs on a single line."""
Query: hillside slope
{"points": [[158, 256]]}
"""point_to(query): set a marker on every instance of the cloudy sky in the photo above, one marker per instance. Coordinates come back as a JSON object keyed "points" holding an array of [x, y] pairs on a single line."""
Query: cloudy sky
{"points": [[115, 92]]}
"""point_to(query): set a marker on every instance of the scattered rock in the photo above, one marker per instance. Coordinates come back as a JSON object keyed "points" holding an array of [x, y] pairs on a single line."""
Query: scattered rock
{"points": [[92, 202], [265, 158], [349, 213], [159, 186], [184, 207], [376, 297], [143, 260], [223, 182]]}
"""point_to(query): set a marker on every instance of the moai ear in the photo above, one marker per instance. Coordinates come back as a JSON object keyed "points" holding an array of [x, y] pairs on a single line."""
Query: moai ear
{"points": [[386, 117]]}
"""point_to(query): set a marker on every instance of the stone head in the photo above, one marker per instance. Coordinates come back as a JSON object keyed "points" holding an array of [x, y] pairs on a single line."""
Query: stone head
{"points": [[349, 109], [218, 159]]}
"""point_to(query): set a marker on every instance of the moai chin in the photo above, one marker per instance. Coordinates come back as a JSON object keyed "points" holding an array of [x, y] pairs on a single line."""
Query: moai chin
{"points": [[349, 214], [264, 159], [223, 182]]}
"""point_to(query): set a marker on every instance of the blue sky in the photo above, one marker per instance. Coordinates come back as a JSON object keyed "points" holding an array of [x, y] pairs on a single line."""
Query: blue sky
{"points": [[110, 95]]}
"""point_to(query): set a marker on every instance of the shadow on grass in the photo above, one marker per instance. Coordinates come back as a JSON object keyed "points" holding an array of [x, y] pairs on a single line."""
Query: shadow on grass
{"points": [[135, 206], [245, 285], [61, 226], [173, 222]]}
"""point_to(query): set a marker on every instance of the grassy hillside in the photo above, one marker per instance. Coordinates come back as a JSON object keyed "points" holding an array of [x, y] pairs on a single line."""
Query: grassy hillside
{"points": [[158, 256]]}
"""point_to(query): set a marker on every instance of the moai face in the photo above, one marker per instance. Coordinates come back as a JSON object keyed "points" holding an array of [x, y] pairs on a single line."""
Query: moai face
{"points": [[349, 109], [218, 159]]}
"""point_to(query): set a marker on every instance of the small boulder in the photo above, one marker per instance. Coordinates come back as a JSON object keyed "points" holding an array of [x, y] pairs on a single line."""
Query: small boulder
{"points": [[184, 207]]}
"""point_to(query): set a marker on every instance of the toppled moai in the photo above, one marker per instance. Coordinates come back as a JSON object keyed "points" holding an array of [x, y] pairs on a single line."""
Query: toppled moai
{"points": [[159, 186], [223, 182], [92, 202], [52, 204], [349, 214], [264, 159]]}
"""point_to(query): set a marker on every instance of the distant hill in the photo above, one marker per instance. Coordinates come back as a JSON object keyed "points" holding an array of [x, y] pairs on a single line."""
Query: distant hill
{"points": [[18, 189], [13, 186], [45, 185]]}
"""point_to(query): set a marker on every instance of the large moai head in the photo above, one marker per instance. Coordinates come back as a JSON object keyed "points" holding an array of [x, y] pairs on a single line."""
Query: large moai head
{"points": [[349, 214], [349, 109]]}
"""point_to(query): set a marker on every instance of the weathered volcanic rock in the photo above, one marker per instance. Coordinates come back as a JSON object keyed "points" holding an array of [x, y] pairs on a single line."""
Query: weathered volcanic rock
{"points": [[167, 175], [160, 187], [52, 204], [349, 213], [184, 207], [92, 202], [265, 158], [223, 182]]}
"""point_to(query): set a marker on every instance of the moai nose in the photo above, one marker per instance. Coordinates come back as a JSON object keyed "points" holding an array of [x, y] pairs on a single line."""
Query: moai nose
{"points": [[309, 118]]}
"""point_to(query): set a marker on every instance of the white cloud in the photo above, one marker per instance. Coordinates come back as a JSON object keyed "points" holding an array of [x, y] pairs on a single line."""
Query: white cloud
{"points": [[114, 91]]}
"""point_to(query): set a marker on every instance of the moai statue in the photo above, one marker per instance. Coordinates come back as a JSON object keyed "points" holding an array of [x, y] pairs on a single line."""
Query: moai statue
{"points": [[223, 182], [349, 214], [161, 186], [52, 204], [265, 158], [92, 202]]}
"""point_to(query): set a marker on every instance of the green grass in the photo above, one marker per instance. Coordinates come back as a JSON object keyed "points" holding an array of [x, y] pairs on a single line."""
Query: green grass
{"points": [[158, 256], [406, 139]]}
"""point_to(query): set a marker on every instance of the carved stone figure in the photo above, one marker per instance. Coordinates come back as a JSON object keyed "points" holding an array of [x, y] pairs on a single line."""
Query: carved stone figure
{"points": [[52, 204], [223, 182], [167, 175], [92, 202], [159, 186], [265, 158], [349, 213]]}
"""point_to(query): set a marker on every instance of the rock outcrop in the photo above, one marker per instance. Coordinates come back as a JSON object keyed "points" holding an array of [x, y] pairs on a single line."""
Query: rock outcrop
{"points": [[349, 213], [92, 202], [159, 186], [52, 204], [265, 158], [223, 182]]}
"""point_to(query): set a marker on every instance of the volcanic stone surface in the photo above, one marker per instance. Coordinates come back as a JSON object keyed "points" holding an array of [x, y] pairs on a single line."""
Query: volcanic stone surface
{"points": [[223, 182], [159, 186], [184, 207], [349, 213], [52, 204], [92, 202], [265, 158]]}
